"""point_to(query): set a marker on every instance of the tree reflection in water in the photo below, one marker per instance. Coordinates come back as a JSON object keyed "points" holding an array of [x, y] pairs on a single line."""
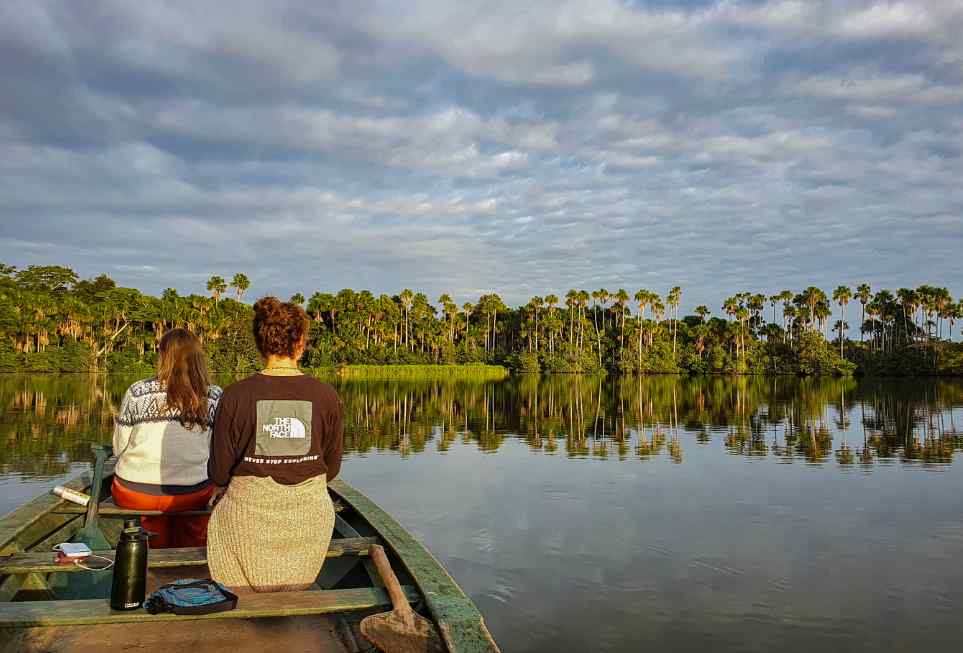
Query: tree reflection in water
{"points": [[48, 422]]}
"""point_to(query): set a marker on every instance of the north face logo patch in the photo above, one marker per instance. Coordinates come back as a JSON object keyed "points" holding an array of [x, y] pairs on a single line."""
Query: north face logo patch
{"points": [[286, 428], [283, 428]]}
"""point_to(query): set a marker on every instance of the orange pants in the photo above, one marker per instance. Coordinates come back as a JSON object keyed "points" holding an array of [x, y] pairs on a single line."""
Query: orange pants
{"points": [[170, 530]]}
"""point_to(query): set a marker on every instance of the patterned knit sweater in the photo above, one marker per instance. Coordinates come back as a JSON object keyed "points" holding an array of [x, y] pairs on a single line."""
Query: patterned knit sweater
{"points": [[150, 443]]}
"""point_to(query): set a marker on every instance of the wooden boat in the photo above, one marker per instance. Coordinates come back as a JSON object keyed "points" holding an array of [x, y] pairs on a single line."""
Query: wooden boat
{"points": [[37, 615]]}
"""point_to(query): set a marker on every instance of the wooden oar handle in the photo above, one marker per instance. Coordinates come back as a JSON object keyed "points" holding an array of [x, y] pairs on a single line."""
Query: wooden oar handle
{"points": [[96, 484], [398, 599]]}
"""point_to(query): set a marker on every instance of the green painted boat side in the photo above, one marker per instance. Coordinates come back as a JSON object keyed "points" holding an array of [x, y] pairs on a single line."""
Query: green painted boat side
{"points": [[42, 522], [25, 527], [459, 621]]}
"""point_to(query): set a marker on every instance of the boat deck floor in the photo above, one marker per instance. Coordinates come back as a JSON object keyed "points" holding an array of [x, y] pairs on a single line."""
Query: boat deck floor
{"points": [[324, 633]]}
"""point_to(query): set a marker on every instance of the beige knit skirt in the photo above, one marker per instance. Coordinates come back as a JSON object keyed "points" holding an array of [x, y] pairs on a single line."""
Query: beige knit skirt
{"points": [[270, 537]]}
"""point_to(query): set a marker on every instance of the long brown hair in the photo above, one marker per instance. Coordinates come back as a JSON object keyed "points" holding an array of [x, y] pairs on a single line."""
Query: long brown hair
{"points": [[182, 370]]}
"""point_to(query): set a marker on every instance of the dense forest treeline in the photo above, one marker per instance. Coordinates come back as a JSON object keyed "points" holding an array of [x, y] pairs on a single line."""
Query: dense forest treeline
{"points": [[51, 320]]}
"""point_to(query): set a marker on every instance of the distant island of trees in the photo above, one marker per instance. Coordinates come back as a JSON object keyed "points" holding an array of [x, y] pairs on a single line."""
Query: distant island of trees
{"points": [[53, 321]]}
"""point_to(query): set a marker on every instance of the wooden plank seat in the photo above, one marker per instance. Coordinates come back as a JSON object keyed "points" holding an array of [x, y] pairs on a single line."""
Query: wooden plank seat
{"points": [[108, 509], [43, 562], [28, 614]]}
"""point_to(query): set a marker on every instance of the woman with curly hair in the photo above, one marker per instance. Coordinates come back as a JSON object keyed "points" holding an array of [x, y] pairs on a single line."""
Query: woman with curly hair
{"points": [[277, 442]]}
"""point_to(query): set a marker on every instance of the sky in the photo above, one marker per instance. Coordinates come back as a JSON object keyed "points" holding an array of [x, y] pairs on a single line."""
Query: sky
{"points": [[516, 147]]}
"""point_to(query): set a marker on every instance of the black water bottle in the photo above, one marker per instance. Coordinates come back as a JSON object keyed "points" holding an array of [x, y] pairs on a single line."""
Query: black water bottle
{"points": [[128, 589]]}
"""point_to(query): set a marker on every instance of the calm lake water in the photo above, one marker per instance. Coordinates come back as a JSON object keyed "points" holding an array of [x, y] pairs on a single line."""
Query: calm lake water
{"points": [[606, 515]]}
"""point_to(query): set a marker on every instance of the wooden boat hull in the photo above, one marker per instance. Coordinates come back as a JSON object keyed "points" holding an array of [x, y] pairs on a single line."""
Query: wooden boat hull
{"points": [[31, 617]]}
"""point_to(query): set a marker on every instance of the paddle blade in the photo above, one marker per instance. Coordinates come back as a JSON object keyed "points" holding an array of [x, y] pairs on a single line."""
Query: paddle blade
{"points": [[390, 633]]}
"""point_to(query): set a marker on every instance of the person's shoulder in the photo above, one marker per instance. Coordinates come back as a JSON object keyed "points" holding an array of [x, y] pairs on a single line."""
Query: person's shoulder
{"points": [[324, 390], [214, 392], [138, 401], [145, 387], [239, 387]]}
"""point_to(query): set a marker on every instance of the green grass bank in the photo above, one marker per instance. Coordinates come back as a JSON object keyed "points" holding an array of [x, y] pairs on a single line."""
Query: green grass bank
{"points": [[474, 371]]}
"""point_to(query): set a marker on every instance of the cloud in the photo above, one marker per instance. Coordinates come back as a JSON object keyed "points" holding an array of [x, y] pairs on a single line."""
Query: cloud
{"points": [[468, 147], [890, 20], [902, 89], [558, 43]]}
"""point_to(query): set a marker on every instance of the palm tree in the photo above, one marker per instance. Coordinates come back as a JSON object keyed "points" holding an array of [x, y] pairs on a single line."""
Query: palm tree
{"points": [[742, 317], [596, 300], [785, 297], [493, 304], [812, 304], [423, 314], [467, 309], [839, 326], [841, 296], [887, 312], [757, 305], [551, 301], [451, 313], [863, 293], [673, 299], [907, 300], [789, 314], [642, 298], [216, 286], [537, 304], [702, 311], [927, 305], [622, 300], [954, 315], [297, 298], [658, 308], [444, 300], [571, 301], [604, 297], [240, 283], [407, 297], [941, 300], [582, 300], [873, 309], [730, 306]]}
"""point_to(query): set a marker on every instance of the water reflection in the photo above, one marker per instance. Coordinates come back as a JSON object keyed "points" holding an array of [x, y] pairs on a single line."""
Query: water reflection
{"points": [[680, 511], [48, 422], [811, 420]]}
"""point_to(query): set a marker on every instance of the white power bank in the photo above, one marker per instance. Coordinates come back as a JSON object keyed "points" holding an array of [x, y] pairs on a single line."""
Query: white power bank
{"points": [[73, 550]]}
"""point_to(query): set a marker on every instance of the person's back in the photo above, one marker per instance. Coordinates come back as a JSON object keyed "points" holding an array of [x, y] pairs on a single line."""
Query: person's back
{"points": [[277, 442], [162, 442], [286, 428]]}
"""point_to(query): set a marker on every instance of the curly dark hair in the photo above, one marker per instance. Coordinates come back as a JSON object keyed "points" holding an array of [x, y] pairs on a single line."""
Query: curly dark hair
{"points": [[279, 327]]}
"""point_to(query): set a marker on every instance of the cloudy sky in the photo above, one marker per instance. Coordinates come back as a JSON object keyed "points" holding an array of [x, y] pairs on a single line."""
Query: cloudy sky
{"points": [[521, 147]]}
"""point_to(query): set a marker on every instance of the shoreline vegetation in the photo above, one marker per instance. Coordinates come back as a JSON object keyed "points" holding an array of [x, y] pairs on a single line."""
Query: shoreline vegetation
{"points": [[471, 371], [53, 321]]}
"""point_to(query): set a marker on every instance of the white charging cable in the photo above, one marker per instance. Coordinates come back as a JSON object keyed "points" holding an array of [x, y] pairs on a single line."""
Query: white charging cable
{"points": [[110, 563]]}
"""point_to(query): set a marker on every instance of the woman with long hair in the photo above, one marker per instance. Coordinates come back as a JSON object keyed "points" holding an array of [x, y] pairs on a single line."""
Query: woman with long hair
{"points": [[277, 443], [162, 442]]}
